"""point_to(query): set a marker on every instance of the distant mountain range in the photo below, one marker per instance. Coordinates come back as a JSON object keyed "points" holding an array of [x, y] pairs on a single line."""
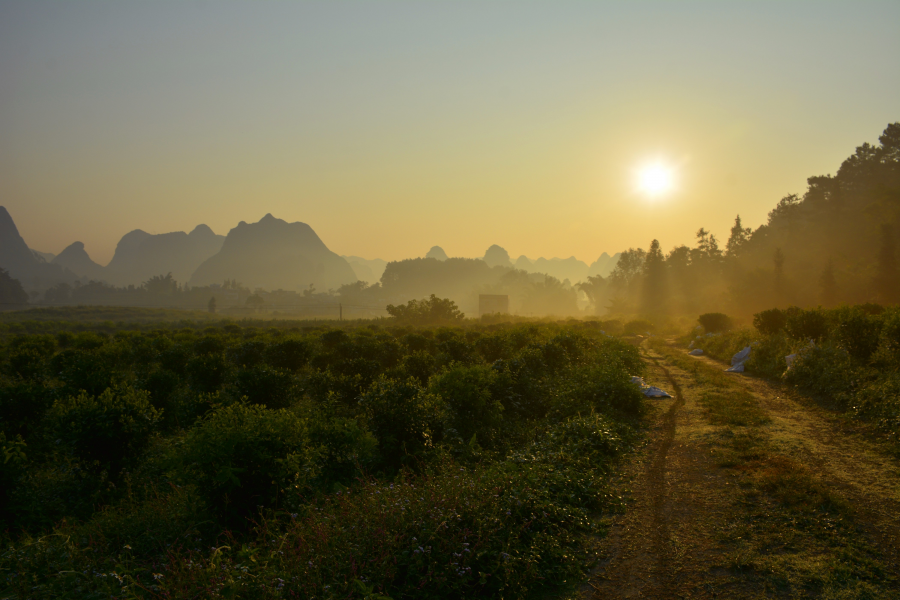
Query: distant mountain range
{"points": [[29, 267], [274, 254], [562, 268], [271, 254]]}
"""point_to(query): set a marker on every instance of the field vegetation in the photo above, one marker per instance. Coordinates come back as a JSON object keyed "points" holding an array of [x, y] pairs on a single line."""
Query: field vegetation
{"points": [[847, 358], [364, 462]]}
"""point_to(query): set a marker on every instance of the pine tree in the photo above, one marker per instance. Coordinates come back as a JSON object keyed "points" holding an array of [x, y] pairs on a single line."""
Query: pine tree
{"points": [[739, 236]]}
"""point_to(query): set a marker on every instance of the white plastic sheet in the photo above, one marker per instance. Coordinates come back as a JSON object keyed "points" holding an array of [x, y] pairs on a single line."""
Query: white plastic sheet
{"points": [[649, 390], [738, 360], [696, 352]]}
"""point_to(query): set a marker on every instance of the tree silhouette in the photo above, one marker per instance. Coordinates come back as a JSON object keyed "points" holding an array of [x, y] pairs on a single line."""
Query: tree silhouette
{"points": [[738, 238], [654, 290]]}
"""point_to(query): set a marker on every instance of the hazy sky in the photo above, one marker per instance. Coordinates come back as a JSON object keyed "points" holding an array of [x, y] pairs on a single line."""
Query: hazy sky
{"points": [[392, 127]]}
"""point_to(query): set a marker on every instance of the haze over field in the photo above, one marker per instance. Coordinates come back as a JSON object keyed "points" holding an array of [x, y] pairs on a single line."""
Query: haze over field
{"points": [[393, 127]]}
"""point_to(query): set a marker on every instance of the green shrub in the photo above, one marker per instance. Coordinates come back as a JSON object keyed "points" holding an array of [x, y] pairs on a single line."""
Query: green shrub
{"points": [[243, 456], [404, 418], [264, 385], [770, 322], [29, 356], [857, 332], [290, 355], [827, 371], [112, 428], [82, 370], [804, 325], [12, 466], [206, 372], [715, 322], [466, 390]]}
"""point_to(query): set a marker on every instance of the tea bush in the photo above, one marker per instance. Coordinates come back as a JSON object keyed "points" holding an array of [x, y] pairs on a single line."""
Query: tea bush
{"points": [[110, 429], [410, 462], [715, 322]]}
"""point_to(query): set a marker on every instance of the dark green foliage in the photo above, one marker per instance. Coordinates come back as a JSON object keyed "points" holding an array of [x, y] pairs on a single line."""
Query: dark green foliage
{"points": [[404, 418], [770, 322], [803, 324], [290, 355], [224, 432], [82, 370], [206, 372], [111, 429], [244, 456], [264, 385], [715, 322], [466, 391], [857, 332], [428, 311]]}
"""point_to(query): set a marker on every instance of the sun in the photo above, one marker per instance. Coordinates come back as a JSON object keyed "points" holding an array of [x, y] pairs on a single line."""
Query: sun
{"points": [[655, 180]]}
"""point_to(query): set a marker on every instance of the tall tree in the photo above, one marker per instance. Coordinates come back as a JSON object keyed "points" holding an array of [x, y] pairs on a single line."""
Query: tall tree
{"points": [[654, 289], [737, 239]]}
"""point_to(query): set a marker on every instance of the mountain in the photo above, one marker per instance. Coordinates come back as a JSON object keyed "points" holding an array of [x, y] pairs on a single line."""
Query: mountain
{"points": [[47, 256], [604, 265], [437, 252], [495, 256], [523, 263], [22, 263], [76, 259], [562, 268], [369, 270], [274, 254], [140, 255]]}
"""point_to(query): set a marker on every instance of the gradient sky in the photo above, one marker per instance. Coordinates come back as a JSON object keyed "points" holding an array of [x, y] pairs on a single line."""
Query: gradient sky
{"points": [[393, 127]]}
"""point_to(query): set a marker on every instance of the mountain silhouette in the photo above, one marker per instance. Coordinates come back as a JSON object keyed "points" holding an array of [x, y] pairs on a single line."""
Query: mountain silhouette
{"points": [[274, 254], [604, 265], [76, 259], [495, 256], [437, 252], [140, 255], [368, 270], [31, 269]]}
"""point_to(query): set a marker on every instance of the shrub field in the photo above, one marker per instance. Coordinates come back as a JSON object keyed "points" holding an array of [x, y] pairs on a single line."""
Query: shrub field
{"points": [[847, 357], [365, 462]]}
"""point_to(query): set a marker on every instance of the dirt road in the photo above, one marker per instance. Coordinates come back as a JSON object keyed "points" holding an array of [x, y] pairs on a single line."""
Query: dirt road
{"points": [[774, 501]]}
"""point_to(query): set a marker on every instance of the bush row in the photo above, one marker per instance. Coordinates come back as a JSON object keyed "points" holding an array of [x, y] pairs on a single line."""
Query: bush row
{"points": [[133, 454]]}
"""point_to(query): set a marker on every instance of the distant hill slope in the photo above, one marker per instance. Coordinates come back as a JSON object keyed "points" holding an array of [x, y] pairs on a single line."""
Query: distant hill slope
{"points": [[368, 270], [76, 259], [604, 265], [561, 268], [274, 254], [22, 263], [140, 255]]}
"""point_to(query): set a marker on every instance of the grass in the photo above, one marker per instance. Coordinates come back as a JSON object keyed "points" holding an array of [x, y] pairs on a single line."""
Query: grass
{"points": [[792, 533]]}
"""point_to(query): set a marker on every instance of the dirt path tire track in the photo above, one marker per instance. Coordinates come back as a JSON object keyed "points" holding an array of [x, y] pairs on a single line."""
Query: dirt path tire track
{"points": [[664, 546]]}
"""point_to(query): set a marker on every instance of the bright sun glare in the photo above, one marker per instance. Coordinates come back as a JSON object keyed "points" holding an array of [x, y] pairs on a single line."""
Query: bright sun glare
{"points": [[655, 180]]}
